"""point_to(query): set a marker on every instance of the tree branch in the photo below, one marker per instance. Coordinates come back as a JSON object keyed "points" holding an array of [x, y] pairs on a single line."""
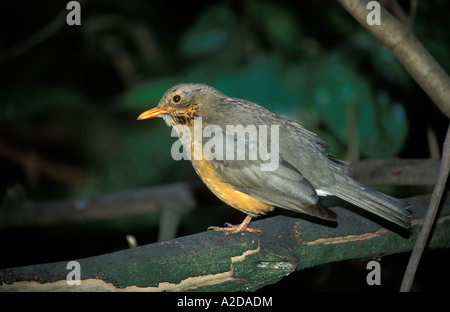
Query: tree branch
{"points": [[106, 207], [409, 51], [211, 261], [396, 171]]}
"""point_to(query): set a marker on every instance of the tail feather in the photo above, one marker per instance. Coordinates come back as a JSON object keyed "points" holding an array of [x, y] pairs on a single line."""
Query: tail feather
{"points": [[385, 206]]}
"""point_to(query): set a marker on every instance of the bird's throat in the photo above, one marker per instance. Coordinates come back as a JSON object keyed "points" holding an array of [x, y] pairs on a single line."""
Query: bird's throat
{"points": [[185, 116]]}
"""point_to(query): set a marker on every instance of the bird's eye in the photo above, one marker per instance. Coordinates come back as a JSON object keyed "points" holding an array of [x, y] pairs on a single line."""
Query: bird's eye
{"points": [[176, 98]]}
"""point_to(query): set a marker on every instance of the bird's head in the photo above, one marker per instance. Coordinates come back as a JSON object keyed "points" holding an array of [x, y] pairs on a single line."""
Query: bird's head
{"points": [[181, 104]]}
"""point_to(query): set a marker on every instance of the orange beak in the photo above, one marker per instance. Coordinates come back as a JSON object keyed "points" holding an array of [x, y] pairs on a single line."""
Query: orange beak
{"points": [[154, 112]]}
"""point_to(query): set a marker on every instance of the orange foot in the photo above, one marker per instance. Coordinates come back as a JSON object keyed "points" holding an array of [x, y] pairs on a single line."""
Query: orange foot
{"points": [[234, 229]]}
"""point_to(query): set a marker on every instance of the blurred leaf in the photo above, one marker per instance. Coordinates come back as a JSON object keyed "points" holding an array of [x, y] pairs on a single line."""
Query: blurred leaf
{"points": [[263, 81], [347, 104], [210, 31]]}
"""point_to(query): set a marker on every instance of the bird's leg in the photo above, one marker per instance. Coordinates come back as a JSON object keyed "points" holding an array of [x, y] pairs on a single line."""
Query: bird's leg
{"points": [[234, 229]]}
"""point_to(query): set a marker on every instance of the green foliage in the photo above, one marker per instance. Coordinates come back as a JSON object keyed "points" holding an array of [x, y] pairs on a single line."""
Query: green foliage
{"points": [[350, 108], [210, 32]]}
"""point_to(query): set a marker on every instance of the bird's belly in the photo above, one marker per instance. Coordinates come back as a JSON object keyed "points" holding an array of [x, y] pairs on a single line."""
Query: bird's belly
{"points": [[226, 192]]}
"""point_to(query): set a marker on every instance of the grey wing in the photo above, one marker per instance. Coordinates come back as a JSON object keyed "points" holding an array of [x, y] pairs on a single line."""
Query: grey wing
{"points": [[283, 187]]}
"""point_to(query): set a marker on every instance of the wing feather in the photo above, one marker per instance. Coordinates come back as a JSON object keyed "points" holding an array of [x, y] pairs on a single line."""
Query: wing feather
{"points": [[283, 187]]}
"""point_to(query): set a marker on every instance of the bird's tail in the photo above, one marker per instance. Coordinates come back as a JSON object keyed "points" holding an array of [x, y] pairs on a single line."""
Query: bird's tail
{"points": [[385, 206]]}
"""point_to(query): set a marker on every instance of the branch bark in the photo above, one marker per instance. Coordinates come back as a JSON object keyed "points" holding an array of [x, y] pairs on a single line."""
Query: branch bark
{"points": [[22, 212], [409, 51], [210, 261]]}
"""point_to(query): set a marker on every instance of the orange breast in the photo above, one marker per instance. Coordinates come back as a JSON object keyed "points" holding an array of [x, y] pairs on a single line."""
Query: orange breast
{"points": [[226, 192]]}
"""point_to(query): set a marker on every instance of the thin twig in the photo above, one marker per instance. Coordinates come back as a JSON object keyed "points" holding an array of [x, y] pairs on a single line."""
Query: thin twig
{"points": [[422, 238]]}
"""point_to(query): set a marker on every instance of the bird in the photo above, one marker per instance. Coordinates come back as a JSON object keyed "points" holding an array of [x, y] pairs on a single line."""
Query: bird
{"points": [[300, 170]]}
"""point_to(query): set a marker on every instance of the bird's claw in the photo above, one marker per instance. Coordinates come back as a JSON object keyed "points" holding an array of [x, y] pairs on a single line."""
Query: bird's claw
{"points": [[234, 229]]}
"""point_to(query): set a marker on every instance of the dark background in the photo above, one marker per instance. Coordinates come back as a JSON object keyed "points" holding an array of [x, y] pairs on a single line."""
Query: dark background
{"points": [[70, 95]]}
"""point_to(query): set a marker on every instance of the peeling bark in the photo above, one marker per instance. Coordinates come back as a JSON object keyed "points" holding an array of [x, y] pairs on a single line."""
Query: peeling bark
{"points": [[211, 261]]}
